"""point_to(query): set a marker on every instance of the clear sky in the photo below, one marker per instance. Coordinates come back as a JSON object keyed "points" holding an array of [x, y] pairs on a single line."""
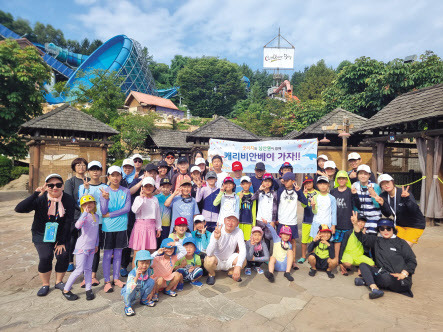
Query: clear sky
{"points": [[237, 30]]}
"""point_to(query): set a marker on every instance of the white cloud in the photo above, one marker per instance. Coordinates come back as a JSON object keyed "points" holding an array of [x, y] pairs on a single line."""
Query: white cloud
{"points": [[237, 30]]}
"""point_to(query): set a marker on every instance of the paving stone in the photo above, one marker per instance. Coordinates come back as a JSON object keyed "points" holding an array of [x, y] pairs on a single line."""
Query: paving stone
{"points": [[221, 288], [206, 292]]}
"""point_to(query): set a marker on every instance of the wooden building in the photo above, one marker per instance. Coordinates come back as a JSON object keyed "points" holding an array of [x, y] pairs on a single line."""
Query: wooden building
{"points": [[58, 137]]}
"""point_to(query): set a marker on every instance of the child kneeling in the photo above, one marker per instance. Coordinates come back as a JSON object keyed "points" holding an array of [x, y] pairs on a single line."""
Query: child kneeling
{"points": [[190, 265], [139, 284], [256, 251], [322, 253]]}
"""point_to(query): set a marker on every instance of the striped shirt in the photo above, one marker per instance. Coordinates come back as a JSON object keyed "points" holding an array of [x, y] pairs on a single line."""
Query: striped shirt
{"points": [[369, 207]]}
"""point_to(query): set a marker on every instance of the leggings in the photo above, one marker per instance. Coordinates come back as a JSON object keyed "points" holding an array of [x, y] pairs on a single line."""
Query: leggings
{"points": [[126, 255], [45, 252], [96, 261], [83, 264], [384, 279], [72, 241], [107, 263]]}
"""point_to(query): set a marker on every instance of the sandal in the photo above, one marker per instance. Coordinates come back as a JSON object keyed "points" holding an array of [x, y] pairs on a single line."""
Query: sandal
{"points": [[301, 260], [129, 311], [83, 284], [148, 303], [119, 283], [95, 282], [108, 288], [155, 297], [170, 293]]}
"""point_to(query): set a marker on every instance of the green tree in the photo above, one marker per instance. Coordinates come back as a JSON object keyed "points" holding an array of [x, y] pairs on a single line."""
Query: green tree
{"points": [[48, 34], [161, 74], [317, 78], [210, 86], [299, 115], [177, 63], [342, 65], [22, 72], [297, 78]]}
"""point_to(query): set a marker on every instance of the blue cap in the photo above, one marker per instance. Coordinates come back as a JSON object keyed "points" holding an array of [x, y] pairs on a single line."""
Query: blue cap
{"points": [[385, 222], [191, 240], [289, 176], [142, 255], [165, 244]]}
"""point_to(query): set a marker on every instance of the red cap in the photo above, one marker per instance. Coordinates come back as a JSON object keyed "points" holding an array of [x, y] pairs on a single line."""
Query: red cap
{"points": [[228, 178], [267, 176], [237, 166], [181, 221]]}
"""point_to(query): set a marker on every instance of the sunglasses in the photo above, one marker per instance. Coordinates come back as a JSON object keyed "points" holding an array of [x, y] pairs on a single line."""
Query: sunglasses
{"points": [[52, 185], [170, 157], [138, 161], [385, 229]]}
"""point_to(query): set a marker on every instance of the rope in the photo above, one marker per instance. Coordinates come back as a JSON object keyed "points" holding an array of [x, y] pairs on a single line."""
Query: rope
{"points": [[405, 185]]}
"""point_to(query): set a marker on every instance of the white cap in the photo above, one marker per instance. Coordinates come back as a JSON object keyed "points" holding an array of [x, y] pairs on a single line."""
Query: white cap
{"points": [[384, 177], [245, 178], [329, 164], [95, 163], [137, 155], [53, 175], [322, 156], [113, 169], [199, 161], [231, 214], [322, 178], [148, 180], [128, 161], [364, 167], [195, 168], [354, 155], [199, 217]]}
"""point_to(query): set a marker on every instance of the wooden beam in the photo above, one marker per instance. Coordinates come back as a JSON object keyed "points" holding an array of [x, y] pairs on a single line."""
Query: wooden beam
{"points": [[423, 133], [429, 174]]}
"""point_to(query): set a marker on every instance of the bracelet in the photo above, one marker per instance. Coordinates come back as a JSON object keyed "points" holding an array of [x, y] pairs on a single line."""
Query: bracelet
{"points": [[405, 274]]}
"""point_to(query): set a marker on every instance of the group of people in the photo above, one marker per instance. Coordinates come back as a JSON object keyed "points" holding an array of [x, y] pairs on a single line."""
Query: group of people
{"points": [[182, 222]]}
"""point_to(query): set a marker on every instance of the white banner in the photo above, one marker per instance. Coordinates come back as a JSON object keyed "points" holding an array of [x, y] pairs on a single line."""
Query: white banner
{"points": [[274, 57], [301, 154]]}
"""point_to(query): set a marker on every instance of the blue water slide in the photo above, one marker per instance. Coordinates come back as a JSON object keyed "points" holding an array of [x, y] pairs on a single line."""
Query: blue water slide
{"points": [[64, 55], [168, 93]]}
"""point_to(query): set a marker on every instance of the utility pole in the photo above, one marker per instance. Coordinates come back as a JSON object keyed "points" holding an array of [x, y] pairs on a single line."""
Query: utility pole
{"points": [[344, 134]]}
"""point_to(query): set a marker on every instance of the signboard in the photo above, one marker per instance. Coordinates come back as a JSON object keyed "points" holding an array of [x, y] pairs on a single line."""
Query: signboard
{"points": [[301, 154], [274, 57]]}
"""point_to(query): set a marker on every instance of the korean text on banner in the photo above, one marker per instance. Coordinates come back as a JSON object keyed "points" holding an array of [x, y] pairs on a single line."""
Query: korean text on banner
{"points": [[301, 154]]}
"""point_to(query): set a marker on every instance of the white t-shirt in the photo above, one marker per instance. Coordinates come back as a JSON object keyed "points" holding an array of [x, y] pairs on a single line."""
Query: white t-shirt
{"points": [[323, 215], [287, 209], [220, 177], [225, 246], [265, 204]]}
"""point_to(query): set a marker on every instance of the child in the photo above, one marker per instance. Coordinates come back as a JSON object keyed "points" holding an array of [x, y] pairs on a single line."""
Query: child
{"points": [[148, 222], [200, 234], [324, 207], [86, 246], [151, 170], [182, 174], [182, 204], [115, 203], [330, 170], [163, 170], [190, 265], [196, 181], [287, 207], [217, 164], [282, 255], [139, 284], [367, 192], [321, 159], [227, 199], [308, 216], [128, 173], [207, 195], [248, 208], [285, 168], [165, 211], [345, 199], [256, 251], [180, 230], [237, 170], [352, 251], [93, 188], [321, 252], [163, 265]]}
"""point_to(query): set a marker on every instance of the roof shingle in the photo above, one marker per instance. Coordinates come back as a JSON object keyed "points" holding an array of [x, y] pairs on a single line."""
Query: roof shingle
{"points": [[168, 138], [150, 100]]}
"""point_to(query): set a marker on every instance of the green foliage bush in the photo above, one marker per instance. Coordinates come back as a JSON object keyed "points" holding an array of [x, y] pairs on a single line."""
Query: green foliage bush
{"points": [[17, 171], [5, 170]]}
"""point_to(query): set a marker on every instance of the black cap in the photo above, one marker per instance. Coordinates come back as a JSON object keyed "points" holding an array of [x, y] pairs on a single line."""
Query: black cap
{"points": [[362, 217], [182, 159], [163, 163], [308, 178], [165, 181], [151, 167], [260, 167], [170, 153]]}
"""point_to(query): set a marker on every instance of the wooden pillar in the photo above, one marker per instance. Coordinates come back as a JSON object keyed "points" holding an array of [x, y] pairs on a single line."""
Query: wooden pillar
{"points": [[429, 174], [374, 160], [344, 153], [36, 168], [104, 158]]}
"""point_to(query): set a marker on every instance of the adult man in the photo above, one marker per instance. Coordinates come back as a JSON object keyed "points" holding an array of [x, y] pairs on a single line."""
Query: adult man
{"points": [[170, 159], [354, 160], [260, 170], [221, 255]]}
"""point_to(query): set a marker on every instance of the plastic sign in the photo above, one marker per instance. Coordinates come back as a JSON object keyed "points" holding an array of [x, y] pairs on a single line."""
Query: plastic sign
{"points": [[274, 57]]}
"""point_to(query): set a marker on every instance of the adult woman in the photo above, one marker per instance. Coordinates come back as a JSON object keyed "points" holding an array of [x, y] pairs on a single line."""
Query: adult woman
{"points": [[170, 160], [401, 205], [394, 259], [51, 205]]}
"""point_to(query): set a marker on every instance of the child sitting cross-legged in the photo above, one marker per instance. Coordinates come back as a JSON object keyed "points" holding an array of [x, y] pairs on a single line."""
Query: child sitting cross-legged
{"points": [[322, 253], [256, 251], [139, 284], [190, 265], [180, 230]]}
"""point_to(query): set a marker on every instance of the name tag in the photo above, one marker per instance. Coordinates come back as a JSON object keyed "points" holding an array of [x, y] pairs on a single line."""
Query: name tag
{"points": [[393, 249]]}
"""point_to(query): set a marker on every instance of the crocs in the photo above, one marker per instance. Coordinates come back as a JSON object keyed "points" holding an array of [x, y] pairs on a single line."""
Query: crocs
{"points": [[119, 283], [301, 260], [43, 291], [259, 270], [90, 295], [376, 293], [170, 293], [312, 272], [129, 311], [270, 276], [359, 282], [330, 274], [70, 296], [288, 276], [108, 287], [210, 280], [60, 285], [248, 271]]}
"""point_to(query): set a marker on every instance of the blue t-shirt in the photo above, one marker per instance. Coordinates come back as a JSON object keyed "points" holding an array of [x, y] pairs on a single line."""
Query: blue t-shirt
{"points": [[119, 204], [165, 211], [186, 208], [237, 185]]}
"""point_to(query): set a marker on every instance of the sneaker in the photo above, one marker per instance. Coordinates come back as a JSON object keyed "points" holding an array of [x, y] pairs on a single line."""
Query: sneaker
{"points": [[248, 271], [270, 276], [70, 296], [312, 272], [359, 282], [148, 303], [301, 260], [210, 280], [179, 287], [124, 272], [119, 283], [170, 293], [197, 283], [60, 285], [90, 295], [288, 276], [129, 311], [259, 270], [155, 297], [43, 291], [71, 267], [295, 267], [376, 293], [330, 274], [108, 288]]}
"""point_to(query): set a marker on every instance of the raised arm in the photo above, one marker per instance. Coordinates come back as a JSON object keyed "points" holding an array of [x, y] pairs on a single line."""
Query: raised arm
{"points": [[126, 208], [274, 234], [28, 204]]}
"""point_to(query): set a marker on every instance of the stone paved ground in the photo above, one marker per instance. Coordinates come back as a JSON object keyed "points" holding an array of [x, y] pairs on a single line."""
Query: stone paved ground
{"points": [[254, 304]]}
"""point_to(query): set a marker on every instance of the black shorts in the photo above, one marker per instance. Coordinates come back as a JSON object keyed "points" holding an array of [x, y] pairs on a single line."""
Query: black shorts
{"points": [[320, 263], [115, 240]]}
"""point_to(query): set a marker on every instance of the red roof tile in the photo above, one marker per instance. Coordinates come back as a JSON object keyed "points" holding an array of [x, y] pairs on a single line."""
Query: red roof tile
{"points": [[150, 100]]}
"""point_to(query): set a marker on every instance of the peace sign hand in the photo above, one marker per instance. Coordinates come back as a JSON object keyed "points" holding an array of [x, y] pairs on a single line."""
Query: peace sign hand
{"points": [[85, 183], [372, 192], [217, 232], [353, 190], [42, 189], [354, 217], [105, 194], [404, 192], [297, 188]]}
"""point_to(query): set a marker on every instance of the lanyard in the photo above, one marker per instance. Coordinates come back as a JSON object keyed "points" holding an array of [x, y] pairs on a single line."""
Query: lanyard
{"points": [[56, 211], [395, 205]]}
